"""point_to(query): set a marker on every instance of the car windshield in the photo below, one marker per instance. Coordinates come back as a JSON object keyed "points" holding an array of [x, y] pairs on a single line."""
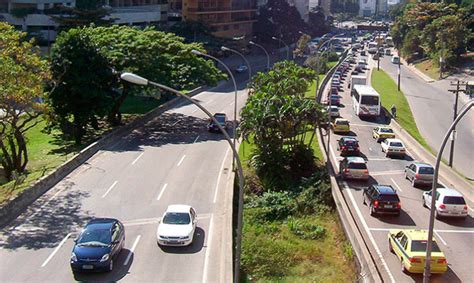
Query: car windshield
{"points": [[220, 118], [94, 237], [385, 130], [454, 200], [179, 218], [369, 100], [389, 198], [396, 144], [350, 142], [357, 166], [343, 123], [420, 246], [426, 170]]}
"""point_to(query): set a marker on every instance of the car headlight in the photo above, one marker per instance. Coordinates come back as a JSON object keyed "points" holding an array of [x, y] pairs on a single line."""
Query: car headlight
{"points": [[73, 257], [184, 237], [105, 258]]}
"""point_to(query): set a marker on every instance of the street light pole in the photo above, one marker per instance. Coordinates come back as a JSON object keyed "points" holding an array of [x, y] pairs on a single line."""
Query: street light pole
{"points": [[286, 45], [399, 71], [429, 247], [135, 79], [264, 50], [223, 48], [234, 123], [453, 136]]}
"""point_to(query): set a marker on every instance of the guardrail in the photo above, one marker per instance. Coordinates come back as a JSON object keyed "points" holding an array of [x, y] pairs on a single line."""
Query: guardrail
{"points": [[368, 270]]}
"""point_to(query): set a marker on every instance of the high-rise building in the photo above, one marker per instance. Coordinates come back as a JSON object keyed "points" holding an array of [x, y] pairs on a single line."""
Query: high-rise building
{"points": [[229, 18], [302, 6], [367, 7], [38, 22]]}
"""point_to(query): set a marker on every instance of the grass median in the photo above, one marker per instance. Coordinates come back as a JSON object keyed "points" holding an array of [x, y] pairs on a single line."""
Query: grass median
{"points": [[390, 95]]}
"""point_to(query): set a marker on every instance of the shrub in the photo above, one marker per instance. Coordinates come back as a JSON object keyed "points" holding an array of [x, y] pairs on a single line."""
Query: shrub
{"points": [[272, 206], [306, 230]]}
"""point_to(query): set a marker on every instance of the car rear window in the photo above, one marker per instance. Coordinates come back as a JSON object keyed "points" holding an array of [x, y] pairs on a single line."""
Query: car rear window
{"points": [[342, 123], [220, 118], [383, 130], [389, 198], [420, 246], [350, 142], [357, 166], [396, 144], [453, 200], [426, 170]]}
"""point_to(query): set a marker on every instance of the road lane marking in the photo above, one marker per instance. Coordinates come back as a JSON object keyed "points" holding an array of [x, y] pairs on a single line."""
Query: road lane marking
{"points": [[216, 190], [196, 139], [363, 125], [439, 231], [181, 161], [393, 172], [471, 209], [439, 236], [174, 124], [367, 230], [209, 101], [195, 110], [147, 221], [162, 191], [207, 256], [232, 103], [132, 250], [396, 185], [110, 188], [379, 159], [370, 149], [55, 250], [136, 159]]}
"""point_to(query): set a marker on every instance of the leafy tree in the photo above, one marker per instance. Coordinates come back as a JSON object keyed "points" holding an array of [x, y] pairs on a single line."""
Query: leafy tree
{"points": [[85, 12], [278, 117], [22, 75], [302, 45], [83, 81], [317, 22], [411, 47]]}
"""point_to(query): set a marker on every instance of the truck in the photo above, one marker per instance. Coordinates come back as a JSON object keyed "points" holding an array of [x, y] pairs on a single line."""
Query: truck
{"points": [[358, 80]]}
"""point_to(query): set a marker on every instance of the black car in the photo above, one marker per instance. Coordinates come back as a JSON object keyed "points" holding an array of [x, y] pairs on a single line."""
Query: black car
{"points": [[98, 245], [348, 146], [221, 119], [382, 199]]}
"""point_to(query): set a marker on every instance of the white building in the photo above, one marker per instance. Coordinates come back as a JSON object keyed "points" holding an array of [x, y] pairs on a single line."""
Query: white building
{"points": [[302, 6], [39, 23], [368, 8]]}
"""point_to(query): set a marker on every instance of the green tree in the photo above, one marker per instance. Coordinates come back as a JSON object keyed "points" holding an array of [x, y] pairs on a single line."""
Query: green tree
{"points": [[278, 117], [411, 48], [317, 22], [22, 75], [82, 84], [84, 13]]}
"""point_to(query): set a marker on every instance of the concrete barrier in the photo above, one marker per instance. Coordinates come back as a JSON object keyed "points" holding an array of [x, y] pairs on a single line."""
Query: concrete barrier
{"points": [[15, 207]]}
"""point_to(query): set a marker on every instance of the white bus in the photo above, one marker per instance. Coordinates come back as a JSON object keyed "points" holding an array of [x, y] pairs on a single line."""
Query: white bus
{"points": [[366, 100]]}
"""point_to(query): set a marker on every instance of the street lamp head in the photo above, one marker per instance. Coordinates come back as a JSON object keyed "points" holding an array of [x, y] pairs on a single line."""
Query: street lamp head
{"points": [[134, 79], [251, 42], [274, 38], [223, 48], [194, 51]]}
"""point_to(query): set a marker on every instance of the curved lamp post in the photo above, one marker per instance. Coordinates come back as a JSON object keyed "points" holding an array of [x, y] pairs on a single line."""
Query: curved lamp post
{"points": [[135, 79], [286, 45], [234, 123], [429, 247], [223, 48], [264, 50]]}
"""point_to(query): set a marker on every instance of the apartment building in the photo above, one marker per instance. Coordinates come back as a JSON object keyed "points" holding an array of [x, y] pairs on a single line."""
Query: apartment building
{"points": [[37, 21], [230, 18]]}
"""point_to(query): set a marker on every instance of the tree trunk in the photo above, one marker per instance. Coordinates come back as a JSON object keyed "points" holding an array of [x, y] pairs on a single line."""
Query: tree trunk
{"points": [[22, 152], [6, 161], [115, 117]]}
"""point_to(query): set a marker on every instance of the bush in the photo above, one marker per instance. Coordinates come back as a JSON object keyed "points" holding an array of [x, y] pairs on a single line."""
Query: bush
{"points": [[306, 230], [315, 194], [332, 56], [272, 206]]}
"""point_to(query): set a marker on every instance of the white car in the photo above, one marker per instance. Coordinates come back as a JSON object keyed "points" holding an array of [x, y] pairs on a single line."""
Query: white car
{"points": [[177, 226], [333, 111], [449, 202], [393, 147], [395, 60]]}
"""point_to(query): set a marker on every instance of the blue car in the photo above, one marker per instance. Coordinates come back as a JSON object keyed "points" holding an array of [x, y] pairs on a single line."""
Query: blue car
{"points": [[98, 245]]}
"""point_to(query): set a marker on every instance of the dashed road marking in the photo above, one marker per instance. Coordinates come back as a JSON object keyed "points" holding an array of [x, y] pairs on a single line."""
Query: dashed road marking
{"points": [[181, 161], [439, 236], [208, 253], [132, 250], [136, 159], [55, 250], [216, 190], [439, 231], [396, 185], [196, 139], [162, 191], [392, 172], [110, 188]]}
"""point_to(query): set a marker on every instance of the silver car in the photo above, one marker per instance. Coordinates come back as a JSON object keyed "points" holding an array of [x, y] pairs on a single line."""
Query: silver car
{"points": [[449, 202], [419, 173]]}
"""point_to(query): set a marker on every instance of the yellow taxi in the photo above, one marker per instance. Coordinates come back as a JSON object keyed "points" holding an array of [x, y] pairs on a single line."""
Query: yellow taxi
{"points": [[410, 247], [382, 132], [340, 125]]}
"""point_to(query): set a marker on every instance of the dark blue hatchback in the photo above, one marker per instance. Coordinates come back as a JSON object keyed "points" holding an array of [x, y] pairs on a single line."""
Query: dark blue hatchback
{"points": [[98, 245]]}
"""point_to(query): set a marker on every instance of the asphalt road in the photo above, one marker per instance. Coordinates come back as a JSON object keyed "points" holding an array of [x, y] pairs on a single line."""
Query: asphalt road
{"points": [[171, 160], [454, 236], [432, 108]]}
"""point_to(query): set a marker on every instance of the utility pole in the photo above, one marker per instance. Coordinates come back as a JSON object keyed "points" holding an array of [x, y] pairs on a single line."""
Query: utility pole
{"points": [[399, 71], [455, 115]]}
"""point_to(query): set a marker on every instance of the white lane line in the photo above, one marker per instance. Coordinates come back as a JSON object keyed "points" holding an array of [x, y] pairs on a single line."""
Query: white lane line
{"points": [[196, 139], [136, 159], [471, 209], [181, 161], [207, 256], [439, 236], [363, 125], [396, 185], [394, 172], [379, 159], [439, 231], [209, 101], [132, 250], [216, 190], [110, 188], [367, 230], [370, 149], [195, 110], [174, 124], [232, 103], [162, 191], [55, 250]]}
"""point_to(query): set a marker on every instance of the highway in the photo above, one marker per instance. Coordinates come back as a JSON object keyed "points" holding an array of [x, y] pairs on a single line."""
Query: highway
{"points": [[454, 236], [173, 159], [432, 108]]}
